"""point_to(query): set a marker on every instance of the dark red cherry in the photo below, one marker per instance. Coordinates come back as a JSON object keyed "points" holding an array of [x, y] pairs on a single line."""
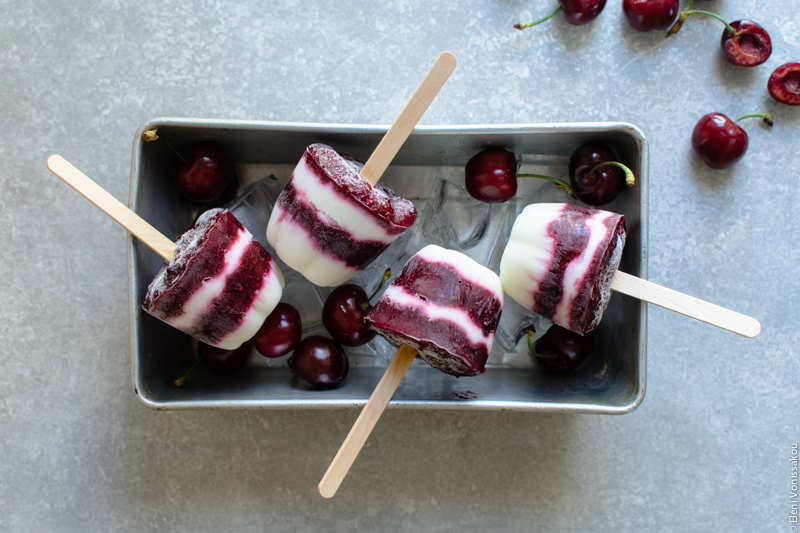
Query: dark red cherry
{"points": [[560, 350], [343, 315], [749, 46], [601, 186], [280, 332], [784, 84], [491, 175], [222, 361], [206, 173], [720, 141], [320, 361], [647, 15], [578, 12]]}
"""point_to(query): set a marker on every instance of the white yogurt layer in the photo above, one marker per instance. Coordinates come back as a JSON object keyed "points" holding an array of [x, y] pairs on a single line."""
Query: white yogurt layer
{"points": [[298, 250], [528, 253]]}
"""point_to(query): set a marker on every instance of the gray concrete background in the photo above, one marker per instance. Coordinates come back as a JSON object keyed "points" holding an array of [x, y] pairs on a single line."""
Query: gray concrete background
{"points": [[708, 449]]}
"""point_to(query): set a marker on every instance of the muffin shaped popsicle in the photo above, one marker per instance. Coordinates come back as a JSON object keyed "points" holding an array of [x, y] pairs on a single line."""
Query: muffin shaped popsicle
{"points": [[561, 262], [331, 220]]}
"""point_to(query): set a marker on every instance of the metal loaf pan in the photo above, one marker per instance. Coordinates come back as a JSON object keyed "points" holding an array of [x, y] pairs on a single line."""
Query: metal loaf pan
{"points": [[611, 382]]}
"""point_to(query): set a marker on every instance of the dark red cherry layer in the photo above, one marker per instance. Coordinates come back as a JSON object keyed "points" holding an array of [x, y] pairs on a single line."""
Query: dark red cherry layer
{"points": [[719, 141], [748, 46], [280, 333], [784, 84], [559, 350], [320, 361], [597, 185], [222, 361], [647, 15], [205, 174], [576, 12]]}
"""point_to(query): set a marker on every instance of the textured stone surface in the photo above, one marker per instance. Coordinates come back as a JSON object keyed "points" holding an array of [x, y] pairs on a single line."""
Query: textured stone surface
{"points": [[707, 450]]}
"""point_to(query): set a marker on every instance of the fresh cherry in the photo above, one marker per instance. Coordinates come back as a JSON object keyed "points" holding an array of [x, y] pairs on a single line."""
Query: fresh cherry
{"points": [[560, 350], [205, 174], [320, 361], [217, 360], [743, 42], [344, 311], [784, 84], [491, 176], [647, 15], [596, 176], [576, 12], [280, 332], [719, 141], [222, 361], [748, 46]]}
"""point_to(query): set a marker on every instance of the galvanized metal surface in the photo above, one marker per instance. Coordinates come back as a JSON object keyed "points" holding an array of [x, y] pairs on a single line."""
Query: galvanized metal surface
{"points": [[613, 382]]}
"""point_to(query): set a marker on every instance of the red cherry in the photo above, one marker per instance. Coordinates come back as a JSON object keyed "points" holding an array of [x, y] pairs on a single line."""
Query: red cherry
{"points": [[784, 84], [320, 361], [222, 361], [602, 185], [719, 141], [749, 46], [576, 12], [491, 176], [579, 12], [206, 173], [343, 315], [647, 15], [280, 333], [560, 350]]}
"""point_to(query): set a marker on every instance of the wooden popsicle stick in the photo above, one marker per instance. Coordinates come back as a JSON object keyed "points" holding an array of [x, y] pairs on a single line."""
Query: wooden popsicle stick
{"points": [[111, 206], [686, 305], [404, 124], [366, 421]]}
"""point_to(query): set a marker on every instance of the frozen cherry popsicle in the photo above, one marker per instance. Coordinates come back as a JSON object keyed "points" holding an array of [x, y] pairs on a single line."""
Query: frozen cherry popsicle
{"points": [[329, 223], [220, 285], [332, 220], [560, 260], [445, 306]]}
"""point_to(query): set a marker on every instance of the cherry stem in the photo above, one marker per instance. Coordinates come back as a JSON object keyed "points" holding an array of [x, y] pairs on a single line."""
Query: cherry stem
{"points": [[152, 135], [180, 381], [386, 275], [523, 25], [185, 162], [531, 332], [559, 184], [766, 117], [688, 12], [630, 180]]}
